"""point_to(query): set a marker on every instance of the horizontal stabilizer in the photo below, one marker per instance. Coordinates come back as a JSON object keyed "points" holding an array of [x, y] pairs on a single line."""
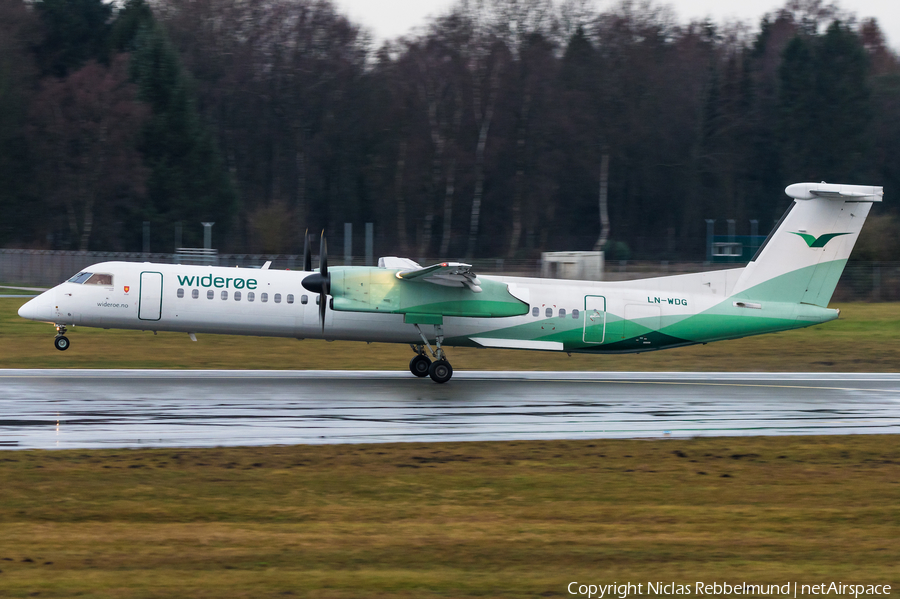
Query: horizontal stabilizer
{"points": [[830, 191]]}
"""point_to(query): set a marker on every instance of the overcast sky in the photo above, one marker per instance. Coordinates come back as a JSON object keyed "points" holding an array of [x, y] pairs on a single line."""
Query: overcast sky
{"points": [[391, 18]]}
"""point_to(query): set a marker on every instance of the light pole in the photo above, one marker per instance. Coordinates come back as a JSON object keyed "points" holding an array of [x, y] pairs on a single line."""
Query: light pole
{"points": [[207, 235]]}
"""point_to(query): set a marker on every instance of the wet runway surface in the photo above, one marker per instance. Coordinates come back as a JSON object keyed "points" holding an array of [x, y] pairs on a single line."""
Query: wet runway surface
{"points": [[69, 409]]}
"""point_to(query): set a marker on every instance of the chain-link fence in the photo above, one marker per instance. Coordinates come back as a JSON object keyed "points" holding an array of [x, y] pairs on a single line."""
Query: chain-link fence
{"points": [[861, 281]]}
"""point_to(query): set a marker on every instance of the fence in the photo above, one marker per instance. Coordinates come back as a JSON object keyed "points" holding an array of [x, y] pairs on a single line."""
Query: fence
{"points": [[861, 281]]}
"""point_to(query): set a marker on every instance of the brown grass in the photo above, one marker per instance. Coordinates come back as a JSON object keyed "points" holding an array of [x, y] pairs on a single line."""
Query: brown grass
{"points": [[513, 519]]}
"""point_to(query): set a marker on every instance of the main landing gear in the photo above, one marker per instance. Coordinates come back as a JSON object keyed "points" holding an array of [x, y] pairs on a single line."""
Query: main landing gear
{"points": [[61, 342], [420, 364], [440, 370]]}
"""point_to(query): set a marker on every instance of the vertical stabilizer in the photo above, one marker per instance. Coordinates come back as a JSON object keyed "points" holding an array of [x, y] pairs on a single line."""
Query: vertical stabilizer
{"points": [[804, 257]]}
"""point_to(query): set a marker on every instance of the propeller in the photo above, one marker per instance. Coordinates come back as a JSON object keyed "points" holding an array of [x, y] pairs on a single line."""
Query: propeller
{"points": [[307, 256], [320, 282]]}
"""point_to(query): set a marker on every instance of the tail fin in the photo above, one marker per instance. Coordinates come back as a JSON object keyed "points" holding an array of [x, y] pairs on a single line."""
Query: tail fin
{"points": [[804, 257]]}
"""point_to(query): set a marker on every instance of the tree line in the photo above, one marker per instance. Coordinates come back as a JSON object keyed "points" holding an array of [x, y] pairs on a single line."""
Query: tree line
{"points": [[484, 133]]}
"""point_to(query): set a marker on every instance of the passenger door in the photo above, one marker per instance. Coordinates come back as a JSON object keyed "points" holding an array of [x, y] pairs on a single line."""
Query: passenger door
{"points": [[150, 299], [594, 318]]}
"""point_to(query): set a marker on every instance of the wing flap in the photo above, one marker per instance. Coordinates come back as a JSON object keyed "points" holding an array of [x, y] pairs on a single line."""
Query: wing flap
{"points": [[518, 343]]}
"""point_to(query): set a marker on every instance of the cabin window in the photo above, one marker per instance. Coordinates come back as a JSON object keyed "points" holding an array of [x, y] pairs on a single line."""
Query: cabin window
{"points": [[535, 311], [237, 296], [277, 298], [180, 293], [562, 312], [549, 312], [224, 295], [210, 294], [195, 293], [290, 298], [251, 296], [304, 299], [263, 297], [80, 277], [575, 313]]}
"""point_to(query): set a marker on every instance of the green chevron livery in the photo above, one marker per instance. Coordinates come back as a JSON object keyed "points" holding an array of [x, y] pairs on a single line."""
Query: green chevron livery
{"points": [[818, 242]]}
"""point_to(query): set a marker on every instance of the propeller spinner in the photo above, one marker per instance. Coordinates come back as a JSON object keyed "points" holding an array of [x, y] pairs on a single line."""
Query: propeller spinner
{"points": [[320, 282]]}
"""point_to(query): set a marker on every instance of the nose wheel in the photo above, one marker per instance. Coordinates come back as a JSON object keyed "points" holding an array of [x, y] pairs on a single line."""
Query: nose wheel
{"points": [[440, 370], [61, 342]]}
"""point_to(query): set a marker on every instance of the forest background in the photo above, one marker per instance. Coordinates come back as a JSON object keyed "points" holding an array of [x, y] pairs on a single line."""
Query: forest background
{"points": [[480, 135]]}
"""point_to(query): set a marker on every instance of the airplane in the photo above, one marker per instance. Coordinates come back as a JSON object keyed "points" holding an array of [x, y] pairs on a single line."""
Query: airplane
{"points": [[787, 285]]}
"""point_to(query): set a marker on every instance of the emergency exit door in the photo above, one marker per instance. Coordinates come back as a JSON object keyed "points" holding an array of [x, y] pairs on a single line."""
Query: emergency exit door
{"points": [[594, 318], [150, 299]]}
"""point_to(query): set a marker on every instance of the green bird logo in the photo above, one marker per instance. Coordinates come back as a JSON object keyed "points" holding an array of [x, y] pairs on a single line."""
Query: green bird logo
{"points": [[818, 242]]}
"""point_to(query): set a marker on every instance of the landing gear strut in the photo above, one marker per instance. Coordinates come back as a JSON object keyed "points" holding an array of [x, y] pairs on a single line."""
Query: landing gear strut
{"points": [[440, 370], [61, 342]]}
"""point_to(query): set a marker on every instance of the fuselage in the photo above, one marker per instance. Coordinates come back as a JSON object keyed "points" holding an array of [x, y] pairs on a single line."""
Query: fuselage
{"points": [[561, 315]]}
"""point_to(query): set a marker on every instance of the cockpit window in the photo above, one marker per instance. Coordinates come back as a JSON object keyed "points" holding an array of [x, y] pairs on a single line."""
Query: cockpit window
{"points": [[80, 277], [98, 279], [90, 278]]}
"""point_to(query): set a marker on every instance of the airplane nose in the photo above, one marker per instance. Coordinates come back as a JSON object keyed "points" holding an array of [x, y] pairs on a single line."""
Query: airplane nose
{"points": [[28, 310], [39, 308]]}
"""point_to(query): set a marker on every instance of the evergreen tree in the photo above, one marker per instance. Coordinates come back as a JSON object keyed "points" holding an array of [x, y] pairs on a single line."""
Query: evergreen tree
{"points": [[18, 31], [824, 107], [188, 181], [580, 125], [76, 31]]}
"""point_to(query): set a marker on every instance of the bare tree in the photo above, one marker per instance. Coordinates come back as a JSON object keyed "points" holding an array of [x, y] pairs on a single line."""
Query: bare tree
{"points": [[87, 126]]}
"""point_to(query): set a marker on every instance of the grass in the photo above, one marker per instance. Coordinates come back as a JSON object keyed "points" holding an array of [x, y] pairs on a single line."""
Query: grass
{"points": [[513, 519], [865, 338]]}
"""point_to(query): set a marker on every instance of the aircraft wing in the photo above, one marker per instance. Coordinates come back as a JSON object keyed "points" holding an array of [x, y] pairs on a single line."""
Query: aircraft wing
{"points": [[448, 274]]}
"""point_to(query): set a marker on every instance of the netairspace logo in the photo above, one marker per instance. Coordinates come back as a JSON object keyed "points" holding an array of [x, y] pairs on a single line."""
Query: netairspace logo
{"points": [[791, 589]]}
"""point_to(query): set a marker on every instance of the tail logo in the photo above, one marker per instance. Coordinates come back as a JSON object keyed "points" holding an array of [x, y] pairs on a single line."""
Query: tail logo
{"points": [[818, 242]]}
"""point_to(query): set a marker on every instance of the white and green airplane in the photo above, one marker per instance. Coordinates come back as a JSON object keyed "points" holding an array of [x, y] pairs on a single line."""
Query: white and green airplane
{"points": [[787, 285]]}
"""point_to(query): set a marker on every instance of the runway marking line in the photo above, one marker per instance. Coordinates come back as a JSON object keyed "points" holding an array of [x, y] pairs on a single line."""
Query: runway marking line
{"points": [[741, 385], [606, 381]]}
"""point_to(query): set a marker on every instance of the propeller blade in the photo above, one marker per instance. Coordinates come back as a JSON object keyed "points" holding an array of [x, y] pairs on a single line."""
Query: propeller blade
{"points": [[320, 282], [323, 256], [307, 255]]}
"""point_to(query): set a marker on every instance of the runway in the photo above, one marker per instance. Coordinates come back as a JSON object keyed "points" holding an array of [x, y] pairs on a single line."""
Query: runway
{"points": [[70, 409]]}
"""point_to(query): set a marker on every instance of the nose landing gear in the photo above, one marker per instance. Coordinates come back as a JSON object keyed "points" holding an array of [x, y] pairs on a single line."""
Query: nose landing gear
{"points": [[61, 342], [440, 370]]}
